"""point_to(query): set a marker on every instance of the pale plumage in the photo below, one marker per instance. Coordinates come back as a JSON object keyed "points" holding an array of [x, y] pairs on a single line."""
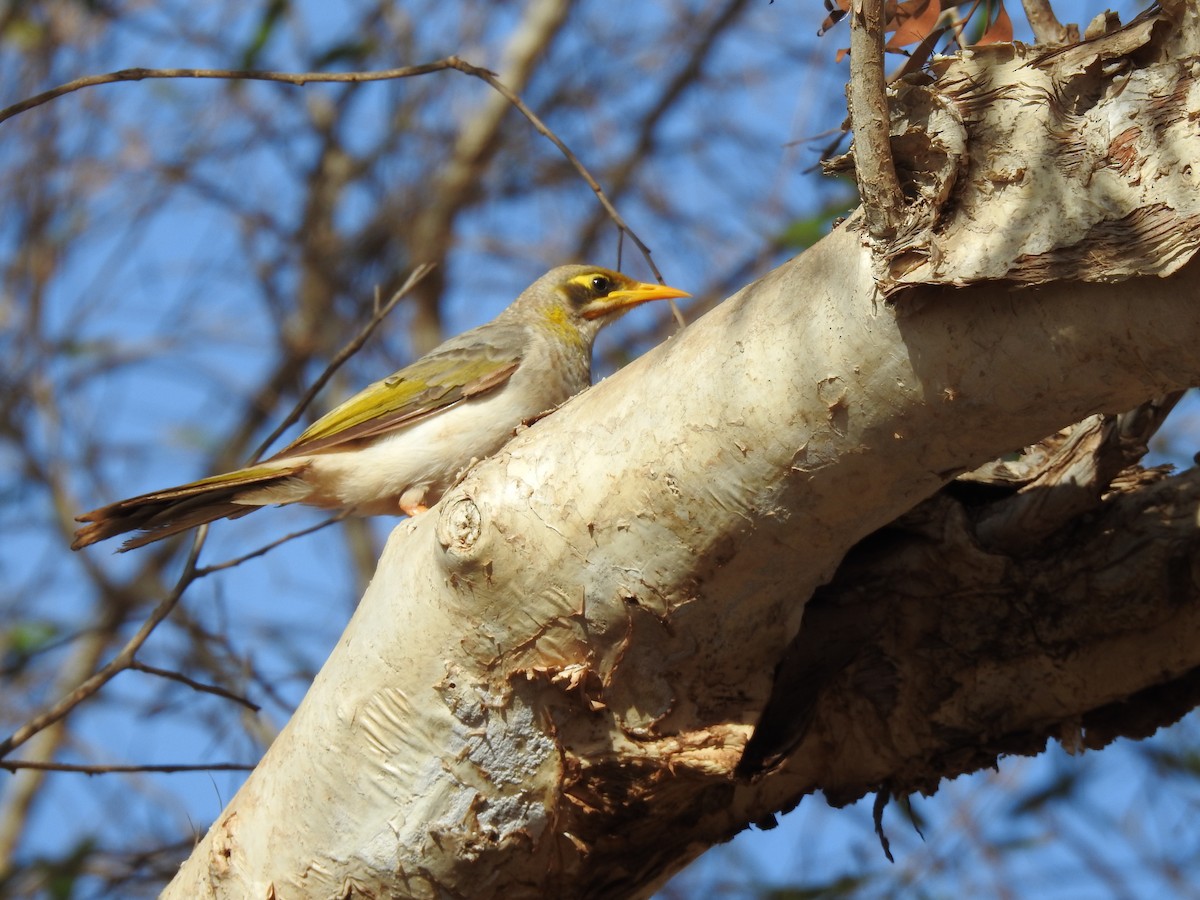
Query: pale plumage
{"points": [[399, 444]]}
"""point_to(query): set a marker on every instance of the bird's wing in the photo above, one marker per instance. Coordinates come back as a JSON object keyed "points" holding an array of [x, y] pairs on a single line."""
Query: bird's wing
{"points": [[445, 377]]}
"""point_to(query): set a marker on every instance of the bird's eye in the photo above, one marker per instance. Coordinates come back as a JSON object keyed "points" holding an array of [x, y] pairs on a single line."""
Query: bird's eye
{"points": [[601, 284]]}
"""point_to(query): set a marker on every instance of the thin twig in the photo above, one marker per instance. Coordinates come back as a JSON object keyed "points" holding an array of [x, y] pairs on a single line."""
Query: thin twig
{"points": [[453, 63], [266, 548], [467, 154], [542, 129], [119, 663], [125, 658], [344, 354], [295, 78], [689, 72], [193, 684], [14, 765], [874, 168]]}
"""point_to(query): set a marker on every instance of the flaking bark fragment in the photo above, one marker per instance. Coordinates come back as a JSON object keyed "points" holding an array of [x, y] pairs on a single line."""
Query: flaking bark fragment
{"points": [[1033, 167]]}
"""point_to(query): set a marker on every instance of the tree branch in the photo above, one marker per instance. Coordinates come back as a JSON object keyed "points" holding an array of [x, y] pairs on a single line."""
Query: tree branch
{"points": [[193, 684], [874, 169], [118, 664], [456, 183], [608, 665], [302, 78], [381, 312], [998, 652], [1044, 23], [16, 765]]}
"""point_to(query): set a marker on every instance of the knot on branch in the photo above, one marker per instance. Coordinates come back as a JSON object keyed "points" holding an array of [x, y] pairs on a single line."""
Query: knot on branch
{"points": [[459, 528]]}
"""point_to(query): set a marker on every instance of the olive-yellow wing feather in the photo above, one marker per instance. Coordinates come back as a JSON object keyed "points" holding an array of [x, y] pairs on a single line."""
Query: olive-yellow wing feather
{"points": [[465, 367], [428, 386]]}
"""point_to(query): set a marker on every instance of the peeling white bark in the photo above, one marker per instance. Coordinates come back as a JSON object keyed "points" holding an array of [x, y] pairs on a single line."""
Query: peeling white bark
{"points": [[561, 662], [610, 592], [1087, 164]]}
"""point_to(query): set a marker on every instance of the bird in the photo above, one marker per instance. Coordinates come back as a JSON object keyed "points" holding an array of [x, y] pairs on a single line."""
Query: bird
{"points": [[399, 444]]}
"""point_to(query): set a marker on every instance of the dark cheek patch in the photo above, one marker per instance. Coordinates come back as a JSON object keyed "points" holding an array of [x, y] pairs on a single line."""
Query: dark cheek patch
{"points": [[579, 293]]}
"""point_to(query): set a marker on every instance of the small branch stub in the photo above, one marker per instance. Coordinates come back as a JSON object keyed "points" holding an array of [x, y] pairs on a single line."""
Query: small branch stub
{"points": [[459, 526], [1047, 30]]}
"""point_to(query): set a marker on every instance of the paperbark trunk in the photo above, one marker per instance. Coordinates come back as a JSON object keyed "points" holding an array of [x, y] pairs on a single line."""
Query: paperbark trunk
{"points": [[548, 686]]}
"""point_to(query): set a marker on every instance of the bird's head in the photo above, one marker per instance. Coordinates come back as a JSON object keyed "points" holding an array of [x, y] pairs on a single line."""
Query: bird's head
{"points": [[581, 300]]}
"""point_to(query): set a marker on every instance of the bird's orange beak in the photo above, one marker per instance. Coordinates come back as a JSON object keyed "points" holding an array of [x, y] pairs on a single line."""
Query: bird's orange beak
{"points": [[625, 298]]}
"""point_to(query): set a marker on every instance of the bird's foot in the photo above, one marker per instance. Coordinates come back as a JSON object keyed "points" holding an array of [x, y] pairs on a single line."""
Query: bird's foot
{"points": [[532, 420]]}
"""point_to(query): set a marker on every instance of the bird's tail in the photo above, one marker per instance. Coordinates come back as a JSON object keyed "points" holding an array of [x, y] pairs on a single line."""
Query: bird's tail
{"points": [[161, 514]]}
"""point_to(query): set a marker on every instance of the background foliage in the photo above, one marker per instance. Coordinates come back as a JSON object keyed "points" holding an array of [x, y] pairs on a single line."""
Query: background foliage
{"points": [[180, 259]]}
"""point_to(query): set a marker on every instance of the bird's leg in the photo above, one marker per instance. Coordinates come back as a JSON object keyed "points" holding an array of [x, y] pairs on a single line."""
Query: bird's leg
{"points": [[412, 501], [531, 420]]}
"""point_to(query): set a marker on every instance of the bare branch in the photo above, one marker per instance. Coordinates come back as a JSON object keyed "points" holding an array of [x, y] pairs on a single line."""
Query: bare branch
{"points": [[295, 78], [873, 166], [266, 548], [1046, 27], [303, 78], [459, 172], [542, 129], [123, 660], [381, 313], [688, 75], [15, 765], [193, 684]]}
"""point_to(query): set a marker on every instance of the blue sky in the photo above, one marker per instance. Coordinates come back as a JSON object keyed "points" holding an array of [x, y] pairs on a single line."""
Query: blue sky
{"points": [[170, 281]]}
